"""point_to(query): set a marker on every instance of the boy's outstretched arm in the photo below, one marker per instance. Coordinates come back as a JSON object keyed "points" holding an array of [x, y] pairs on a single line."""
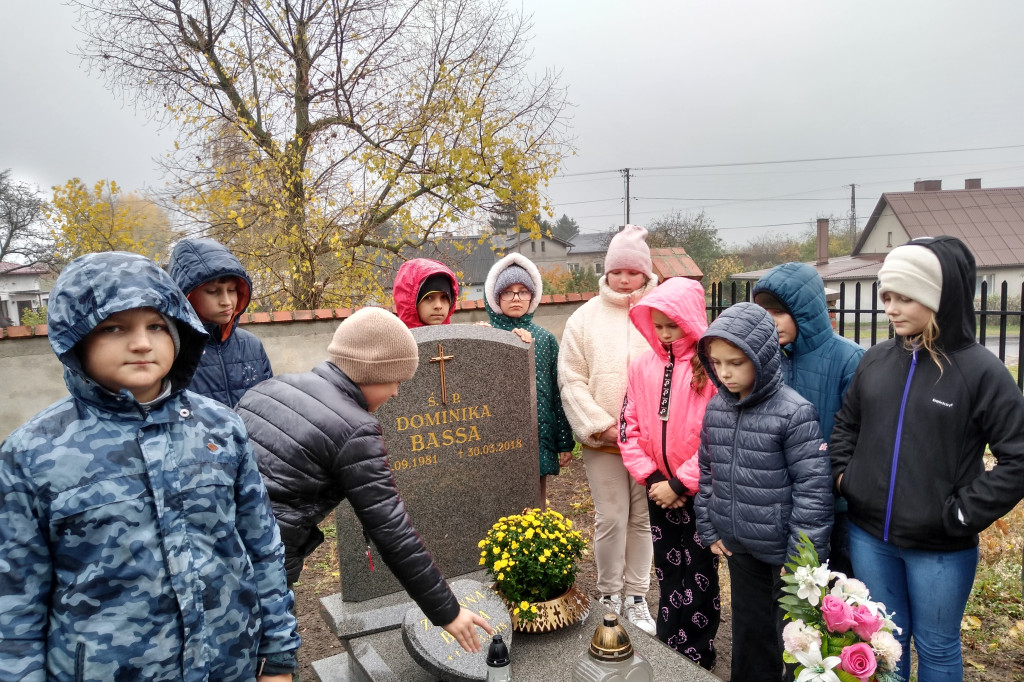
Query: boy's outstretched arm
{"points": [[25, 577], [362, 470]]}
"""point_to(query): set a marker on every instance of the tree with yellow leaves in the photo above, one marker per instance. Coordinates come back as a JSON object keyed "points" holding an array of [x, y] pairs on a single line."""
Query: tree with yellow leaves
{"points": [[84, 220], [320, 138]]}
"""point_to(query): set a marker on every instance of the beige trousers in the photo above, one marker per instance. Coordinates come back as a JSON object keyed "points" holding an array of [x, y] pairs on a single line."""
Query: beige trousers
{"points": [[623, 549]]}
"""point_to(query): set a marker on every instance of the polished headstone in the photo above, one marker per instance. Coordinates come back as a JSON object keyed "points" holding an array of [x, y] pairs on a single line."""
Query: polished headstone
{"points": [[437, 651], [462, 443]]}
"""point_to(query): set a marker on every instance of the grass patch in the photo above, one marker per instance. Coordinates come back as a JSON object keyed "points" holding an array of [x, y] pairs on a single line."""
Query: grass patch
{"points": [[994, 619]]}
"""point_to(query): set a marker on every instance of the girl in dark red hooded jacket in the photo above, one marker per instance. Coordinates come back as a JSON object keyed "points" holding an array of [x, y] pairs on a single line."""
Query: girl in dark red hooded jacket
{"points": [[425, 293]]}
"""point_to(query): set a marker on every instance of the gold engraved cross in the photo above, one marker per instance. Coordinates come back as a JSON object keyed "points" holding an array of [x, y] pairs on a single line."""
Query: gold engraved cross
{"points": [[441, 357]]}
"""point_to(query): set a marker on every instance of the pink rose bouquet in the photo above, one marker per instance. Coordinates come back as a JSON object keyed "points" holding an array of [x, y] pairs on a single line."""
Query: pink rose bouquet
{"points": [[836, 633]]}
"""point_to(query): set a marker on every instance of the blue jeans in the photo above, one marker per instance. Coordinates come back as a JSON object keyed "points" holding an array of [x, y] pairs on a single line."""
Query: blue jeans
{"points": [[926, 592]]}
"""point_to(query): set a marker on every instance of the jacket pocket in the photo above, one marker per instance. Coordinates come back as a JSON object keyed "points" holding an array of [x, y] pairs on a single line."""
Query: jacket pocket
{"points": [[783, 514], [83, 499], [80, 662]]}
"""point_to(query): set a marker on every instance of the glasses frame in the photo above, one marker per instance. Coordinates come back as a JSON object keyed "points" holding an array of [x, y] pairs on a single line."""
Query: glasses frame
{"points": [[513, 295]]}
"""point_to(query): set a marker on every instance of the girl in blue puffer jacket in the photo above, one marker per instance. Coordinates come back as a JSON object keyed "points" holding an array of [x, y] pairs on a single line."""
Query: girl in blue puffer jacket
{"points": [[765, 476]]}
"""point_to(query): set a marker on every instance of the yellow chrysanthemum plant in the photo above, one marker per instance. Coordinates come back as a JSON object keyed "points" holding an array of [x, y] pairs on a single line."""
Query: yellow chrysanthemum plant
{"points": [[532, 557]]}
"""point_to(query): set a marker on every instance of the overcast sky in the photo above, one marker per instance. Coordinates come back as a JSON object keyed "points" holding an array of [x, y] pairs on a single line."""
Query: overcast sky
{"points": [[682, 92]]}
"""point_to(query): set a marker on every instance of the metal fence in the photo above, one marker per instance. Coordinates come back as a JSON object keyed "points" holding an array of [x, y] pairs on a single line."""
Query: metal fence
{"points": [[857, 317]]}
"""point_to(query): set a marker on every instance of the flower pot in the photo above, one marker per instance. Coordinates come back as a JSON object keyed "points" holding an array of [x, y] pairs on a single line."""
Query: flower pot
{"points": [[567, 609]]}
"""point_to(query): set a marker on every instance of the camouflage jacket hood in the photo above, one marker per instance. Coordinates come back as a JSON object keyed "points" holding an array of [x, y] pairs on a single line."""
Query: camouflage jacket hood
{"points": [[93, 288]]}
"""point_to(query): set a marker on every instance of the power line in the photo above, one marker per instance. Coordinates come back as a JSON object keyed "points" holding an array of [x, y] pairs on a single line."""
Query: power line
{"points": [[809, 160], [738, 200]]}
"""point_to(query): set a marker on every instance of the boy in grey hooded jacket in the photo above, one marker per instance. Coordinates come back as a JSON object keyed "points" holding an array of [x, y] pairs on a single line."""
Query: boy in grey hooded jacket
{"points": [[765, 476]]}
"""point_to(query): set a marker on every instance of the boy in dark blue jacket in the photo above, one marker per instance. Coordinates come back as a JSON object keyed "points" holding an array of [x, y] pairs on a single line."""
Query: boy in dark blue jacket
{"points": [[219, 290], [765, 476], [816, 361]]}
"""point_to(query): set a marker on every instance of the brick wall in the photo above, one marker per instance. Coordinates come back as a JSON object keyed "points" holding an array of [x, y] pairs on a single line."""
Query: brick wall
{"points": [[31, 377]]}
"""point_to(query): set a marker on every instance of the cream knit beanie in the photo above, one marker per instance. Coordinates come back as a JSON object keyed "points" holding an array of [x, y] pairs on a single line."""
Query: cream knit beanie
{"points": [[373, 346], [913, 271], [628, 251]]}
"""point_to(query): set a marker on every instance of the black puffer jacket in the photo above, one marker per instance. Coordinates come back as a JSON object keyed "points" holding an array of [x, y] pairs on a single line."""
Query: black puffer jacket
{"points": [[909, 441], [764, 469], [316, 445]]}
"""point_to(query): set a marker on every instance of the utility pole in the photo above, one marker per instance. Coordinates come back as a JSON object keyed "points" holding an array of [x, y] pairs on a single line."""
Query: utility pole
{"points": [[625, 174], [853, 217], [515, 217]]}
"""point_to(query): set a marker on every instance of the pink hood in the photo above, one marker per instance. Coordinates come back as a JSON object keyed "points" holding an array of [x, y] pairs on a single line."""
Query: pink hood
{"points": [[682, 301], [407, 284]]}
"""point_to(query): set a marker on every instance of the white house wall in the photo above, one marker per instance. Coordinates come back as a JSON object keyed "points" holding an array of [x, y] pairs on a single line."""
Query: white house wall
{"points": [[886, 234]]}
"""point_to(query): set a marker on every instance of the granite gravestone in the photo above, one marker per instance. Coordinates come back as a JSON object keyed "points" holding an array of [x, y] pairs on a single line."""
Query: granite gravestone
{"points": [[462, 443], [438, 652]]}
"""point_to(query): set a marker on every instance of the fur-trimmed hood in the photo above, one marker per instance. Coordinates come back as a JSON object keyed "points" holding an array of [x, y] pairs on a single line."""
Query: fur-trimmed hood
{"points": [[525, 263]]}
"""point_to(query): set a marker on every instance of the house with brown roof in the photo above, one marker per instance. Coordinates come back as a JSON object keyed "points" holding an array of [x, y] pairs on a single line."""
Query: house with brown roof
{"points": [[674, 262], [588, 251], [989, 221]]}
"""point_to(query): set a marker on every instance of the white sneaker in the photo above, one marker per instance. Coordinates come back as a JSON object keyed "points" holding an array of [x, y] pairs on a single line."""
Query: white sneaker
{"points": [[639, 615], [613, 603]]}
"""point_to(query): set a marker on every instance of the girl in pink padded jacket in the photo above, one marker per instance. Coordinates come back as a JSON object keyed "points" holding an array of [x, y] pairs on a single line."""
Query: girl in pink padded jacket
{"points": [[662, 414]]}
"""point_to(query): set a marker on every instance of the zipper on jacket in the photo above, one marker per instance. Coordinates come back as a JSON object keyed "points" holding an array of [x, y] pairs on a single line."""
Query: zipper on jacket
{"points": [[224, 373], [732, 472], [666, 397], [664, 451], [896, 446]]}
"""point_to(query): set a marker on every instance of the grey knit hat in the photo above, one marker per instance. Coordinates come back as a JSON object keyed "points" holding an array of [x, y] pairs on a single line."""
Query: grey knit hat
{"points": [[913, 271], [172, 329], [373, 346], [513, 274]]}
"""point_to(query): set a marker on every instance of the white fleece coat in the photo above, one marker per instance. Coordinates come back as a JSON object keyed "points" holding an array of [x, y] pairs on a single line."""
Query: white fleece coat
{"points": [[598, 343]]}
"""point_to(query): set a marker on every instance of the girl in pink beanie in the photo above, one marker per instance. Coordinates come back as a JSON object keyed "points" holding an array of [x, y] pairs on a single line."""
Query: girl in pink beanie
{"points": [[598, 343]]}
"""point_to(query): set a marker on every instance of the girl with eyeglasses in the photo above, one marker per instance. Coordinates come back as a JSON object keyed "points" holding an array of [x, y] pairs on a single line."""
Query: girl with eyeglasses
{"points": [[512, 293]]}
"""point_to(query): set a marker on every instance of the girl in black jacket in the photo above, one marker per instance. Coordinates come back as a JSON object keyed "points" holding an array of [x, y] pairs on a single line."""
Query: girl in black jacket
{"points": [[907, 451]]}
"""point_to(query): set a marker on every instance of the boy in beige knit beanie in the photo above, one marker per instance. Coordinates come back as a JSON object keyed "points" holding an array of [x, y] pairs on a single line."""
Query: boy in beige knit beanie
{"points": [[317, 444]]}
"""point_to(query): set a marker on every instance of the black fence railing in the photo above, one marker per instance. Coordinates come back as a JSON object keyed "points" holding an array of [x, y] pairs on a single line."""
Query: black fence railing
{"points": [[857, 316]]}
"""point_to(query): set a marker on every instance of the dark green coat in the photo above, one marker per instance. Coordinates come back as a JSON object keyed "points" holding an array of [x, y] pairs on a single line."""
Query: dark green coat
{"points": [[554, 434]]}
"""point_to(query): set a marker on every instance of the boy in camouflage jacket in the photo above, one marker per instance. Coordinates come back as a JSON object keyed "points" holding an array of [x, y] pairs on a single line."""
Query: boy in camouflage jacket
{"points": [[136, 538]]}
